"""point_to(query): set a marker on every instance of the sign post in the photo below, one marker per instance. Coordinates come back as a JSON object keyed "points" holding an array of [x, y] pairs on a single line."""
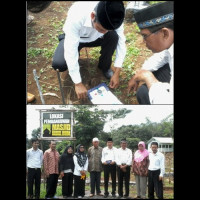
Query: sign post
{"points": [[57, 124]]}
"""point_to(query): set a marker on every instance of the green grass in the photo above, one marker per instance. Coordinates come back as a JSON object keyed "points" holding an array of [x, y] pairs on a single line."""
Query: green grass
{"points": [[133, 193], [46, 52], [153, 2], [34, 52], [94, 53]]}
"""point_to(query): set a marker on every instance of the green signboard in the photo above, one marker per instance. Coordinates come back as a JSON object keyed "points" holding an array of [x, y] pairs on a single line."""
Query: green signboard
{"points": [[57, 124]]}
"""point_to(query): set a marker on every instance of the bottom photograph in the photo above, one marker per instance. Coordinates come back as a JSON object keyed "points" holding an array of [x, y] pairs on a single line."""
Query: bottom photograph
{"points": [[99, 151]]}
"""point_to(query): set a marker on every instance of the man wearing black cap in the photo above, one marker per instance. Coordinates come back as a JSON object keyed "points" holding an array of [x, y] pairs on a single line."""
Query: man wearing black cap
{"points": [[109, 156], [92, 24], [156, 23]]}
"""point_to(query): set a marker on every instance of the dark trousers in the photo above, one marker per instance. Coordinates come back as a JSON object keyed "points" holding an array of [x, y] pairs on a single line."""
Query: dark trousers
{"points": [[34, 175], [109, 169], [108, 45], [95, 178], [162, 74], [121, 176], [153, 182], [67, 184], [52, 181], [79, 186]]}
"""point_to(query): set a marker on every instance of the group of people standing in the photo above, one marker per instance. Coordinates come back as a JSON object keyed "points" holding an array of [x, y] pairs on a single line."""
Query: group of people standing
{"points": [[147, 166]]}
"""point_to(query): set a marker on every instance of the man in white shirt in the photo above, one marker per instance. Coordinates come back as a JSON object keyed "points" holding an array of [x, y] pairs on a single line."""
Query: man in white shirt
{"points": [[109, 158], [34, 159], [124, 162], [92, 24], [156, 23], [156, 172]]}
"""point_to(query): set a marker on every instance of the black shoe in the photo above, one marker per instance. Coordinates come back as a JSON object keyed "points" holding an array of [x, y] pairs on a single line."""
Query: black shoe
{"points": [[119, 197], [105, 195], [125, 196], [108, 74], [113, 195]]}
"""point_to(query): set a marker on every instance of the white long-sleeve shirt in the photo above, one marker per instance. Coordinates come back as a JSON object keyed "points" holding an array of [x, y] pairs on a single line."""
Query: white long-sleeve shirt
{"points": [[77, 167], [161, 93], [157, 161], [34, 158], [78, 28], [124, 156], [109, 154]]}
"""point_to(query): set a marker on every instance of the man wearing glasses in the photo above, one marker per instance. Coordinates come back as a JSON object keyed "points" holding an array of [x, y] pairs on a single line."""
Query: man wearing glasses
{"points": [[156, 23], [34, 159], [92, 24]]}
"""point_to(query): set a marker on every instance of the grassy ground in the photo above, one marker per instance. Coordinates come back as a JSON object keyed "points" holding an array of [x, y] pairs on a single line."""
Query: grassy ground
{"points": [[168, 189], [42, 41]]}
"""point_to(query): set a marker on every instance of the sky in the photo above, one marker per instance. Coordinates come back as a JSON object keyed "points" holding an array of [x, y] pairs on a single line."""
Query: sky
{"points": [[155, 113]]}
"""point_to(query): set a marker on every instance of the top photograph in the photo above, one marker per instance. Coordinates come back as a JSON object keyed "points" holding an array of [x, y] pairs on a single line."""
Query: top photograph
{"points": [[99, 52]]}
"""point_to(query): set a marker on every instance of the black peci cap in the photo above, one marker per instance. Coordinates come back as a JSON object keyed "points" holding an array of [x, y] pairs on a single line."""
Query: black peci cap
{"points": [[109, 140], [110, 14], [123, 140], [156, 14]]}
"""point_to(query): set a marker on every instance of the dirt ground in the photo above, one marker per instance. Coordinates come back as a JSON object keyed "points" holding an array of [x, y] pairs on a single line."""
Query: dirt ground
{"points": [[42, 33]]}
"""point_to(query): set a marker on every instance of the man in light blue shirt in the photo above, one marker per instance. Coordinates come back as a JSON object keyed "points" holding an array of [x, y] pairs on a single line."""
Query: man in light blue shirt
{"points": [[34, 159]]}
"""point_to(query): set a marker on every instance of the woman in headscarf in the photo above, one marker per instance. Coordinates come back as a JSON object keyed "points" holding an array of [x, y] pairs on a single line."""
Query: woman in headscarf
{"points": [[140, 169], [81, 166], [66, 166]]}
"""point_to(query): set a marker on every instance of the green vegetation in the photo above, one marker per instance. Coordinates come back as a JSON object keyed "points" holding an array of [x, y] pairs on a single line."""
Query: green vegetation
{"points": [[90, 123], [133, 193], [154, 2], [42, 40]]}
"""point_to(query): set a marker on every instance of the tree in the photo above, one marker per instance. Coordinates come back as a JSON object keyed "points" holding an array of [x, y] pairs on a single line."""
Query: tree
{"points": [[90, 122], [36, 133], [167, 126], [44, 145], [143, 132], [133, 143], [62, 145]]}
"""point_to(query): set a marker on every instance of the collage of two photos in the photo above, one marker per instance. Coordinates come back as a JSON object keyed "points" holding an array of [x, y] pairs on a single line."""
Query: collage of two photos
{"points": [[100, 112]]}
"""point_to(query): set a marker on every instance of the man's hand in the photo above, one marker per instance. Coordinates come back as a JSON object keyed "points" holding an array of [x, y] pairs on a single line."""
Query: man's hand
{"points": [[133, 84], [62, 174], [81, 91], [160, 178], [123, 168], [82, 172], [112, 163], [114, 81], [47, 175], [146, 76]]}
